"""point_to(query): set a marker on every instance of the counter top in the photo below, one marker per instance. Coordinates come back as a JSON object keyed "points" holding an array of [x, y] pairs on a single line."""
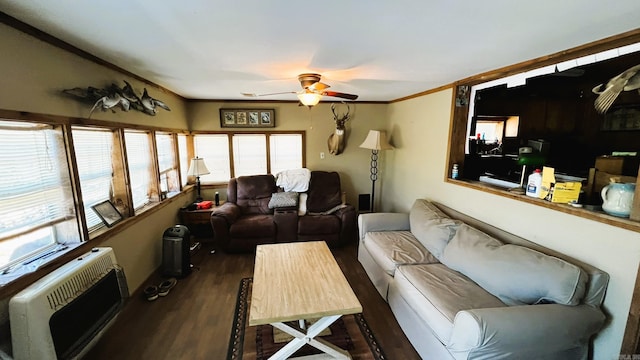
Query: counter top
{"points": [[595, 215]]}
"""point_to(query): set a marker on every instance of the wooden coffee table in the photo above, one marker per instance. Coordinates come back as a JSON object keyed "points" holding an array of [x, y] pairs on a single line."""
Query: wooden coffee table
{"points": [[297, 281]]}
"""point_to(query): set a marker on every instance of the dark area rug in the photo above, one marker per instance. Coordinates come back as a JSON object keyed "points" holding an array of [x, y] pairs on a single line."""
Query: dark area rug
{"points": [[350, 333]]}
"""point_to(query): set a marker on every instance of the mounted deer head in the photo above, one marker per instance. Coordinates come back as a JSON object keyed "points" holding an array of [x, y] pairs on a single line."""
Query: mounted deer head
{"points": [[336, 140]]}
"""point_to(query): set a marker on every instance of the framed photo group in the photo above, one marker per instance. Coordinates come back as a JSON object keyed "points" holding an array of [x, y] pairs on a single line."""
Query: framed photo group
{"points": [[250, 118]]}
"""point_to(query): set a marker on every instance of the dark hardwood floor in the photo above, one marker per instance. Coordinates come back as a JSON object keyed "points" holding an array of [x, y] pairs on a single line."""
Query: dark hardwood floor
{"points": [[194, 320]]}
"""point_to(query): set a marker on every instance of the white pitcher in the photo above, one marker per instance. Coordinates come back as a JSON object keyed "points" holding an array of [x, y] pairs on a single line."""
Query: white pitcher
{"points": [[617, 198]]}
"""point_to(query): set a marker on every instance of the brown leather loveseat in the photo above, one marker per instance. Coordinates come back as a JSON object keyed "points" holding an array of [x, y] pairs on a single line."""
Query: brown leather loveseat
{"points": [[245, 219]]}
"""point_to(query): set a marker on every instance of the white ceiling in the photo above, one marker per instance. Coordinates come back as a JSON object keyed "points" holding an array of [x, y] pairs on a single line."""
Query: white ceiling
{"points": [[379, 49]]}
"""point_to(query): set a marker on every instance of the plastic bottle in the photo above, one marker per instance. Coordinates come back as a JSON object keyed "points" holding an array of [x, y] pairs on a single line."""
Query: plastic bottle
{"points": [[534, 183], [454, 172], [217, 199]]}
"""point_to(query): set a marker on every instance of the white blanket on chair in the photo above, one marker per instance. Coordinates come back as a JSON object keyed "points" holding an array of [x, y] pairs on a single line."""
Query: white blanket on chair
{"points": [[294, 180]]}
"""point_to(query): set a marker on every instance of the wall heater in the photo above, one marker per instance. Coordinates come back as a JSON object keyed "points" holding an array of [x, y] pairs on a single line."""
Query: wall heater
{"points": [[63, 314]]}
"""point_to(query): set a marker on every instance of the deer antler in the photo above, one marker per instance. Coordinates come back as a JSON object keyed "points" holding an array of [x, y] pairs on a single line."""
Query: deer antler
{"points": [[337, 117]]}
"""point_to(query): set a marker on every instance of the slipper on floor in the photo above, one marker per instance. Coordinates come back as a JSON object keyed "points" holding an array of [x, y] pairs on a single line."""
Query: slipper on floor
{"points": [[151, 292], [166, 286]]}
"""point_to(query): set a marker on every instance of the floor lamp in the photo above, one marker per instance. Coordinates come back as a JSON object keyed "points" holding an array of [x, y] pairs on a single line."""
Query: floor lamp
{"points": [[197, 168], [376, 141]]}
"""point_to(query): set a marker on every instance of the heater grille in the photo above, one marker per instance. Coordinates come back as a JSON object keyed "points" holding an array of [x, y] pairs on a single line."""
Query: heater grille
{"points": [[79, 282], [61, 315]]}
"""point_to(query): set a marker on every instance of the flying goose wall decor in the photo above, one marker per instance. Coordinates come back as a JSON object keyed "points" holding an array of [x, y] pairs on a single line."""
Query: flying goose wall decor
{"points": [[113, 96]]}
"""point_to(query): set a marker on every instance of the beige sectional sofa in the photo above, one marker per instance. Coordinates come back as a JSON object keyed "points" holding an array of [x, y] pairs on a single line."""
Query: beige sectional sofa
{"points": [[463, 289]]}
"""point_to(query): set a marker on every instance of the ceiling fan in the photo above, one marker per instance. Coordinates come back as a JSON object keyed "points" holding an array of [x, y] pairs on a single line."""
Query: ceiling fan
{"points": [[312, 90]]}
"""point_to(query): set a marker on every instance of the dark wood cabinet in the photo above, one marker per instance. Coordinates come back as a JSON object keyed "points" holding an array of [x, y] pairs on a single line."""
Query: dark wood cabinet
{"points": [[198, 222]]}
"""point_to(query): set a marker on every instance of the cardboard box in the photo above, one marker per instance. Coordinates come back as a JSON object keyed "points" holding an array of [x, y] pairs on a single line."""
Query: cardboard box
{"points": [[618, 165], [558, 191]]}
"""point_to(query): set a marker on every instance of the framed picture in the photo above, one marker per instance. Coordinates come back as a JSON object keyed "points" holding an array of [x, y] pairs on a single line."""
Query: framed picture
{"points": [[107, 213], [247, 118]]}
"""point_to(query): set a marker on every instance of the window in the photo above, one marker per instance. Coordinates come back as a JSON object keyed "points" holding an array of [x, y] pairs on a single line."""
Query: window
{"points": [[183, 153], [285, 152], [140, 167], [214, 149], [36, 200], [167, 164], [251, 153], [93, 148]]}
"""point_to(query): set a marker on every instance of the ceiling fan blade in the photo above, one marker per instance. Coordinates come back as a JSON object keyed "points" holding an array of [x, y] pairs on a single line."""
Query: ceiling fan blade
{"points": [[278, 93], [340, 95], [318, 86]]}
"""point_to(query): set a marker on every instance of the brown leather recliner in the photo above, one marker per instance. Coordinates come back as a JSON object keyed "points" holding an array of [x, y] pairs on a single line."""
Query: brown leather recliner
{"points": [[245, 219], [327, 218]]}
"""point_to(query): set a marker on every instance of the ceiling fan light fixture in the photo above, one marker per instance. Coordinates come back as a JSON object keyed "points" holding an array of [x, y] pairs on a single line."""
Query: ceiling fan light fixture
{"points": [[309, 98]]}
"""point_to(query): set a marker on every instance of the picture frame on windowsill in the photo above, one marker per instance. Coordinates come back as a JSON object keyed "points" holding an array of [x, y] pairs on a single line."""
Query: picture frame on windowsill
{"points": [[108, 213], [247, 118]]}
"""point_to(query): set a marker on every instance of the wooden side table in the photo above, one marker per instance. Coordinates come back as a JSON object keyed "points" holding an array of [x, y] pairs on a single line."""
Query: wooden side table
{"points": [[198, 222]]}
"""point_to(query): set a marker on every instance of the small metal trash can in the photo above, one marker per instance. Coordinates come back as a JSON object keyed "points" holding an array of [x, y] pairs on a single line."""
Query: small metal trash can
{"points": [[176, 256]]}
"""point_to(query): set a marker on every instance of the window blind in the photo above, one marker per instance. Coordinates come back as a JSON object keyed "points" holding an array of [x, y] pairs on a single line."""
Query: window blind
{"points": [[93, 149], [139, 160], [166, 157], [35, 189], [214, 149], [285, 152], [249, 154], [184, 158]]}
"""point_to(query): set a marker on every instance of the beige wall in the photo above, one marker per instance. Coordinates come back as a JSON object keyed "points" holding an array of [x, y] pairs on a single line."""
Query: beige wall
{"points": [[418, 166], [353, 164], [34, 74]]}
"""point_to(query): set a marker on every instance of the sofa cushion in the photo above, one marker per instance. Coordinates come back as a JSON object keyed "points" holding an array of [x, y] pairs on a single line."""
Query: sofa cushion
{"points": [[302, 204], [392, 248], [516, 274], [437, 293], [283, 199], [431, 226], [318, 224], [253, 226], [324, 191], [254, 193]]}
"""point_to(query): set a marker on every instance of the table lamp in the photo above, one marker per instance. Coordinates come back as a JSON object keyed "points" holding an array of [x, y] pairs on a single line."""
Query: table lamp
{"points": [[376, 140], [198, 168]]}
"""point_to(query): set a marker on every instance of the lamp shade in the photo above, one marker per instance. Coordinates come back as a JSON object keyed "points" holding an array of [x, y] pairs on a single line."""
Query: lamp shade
{"points": [[309, 98], [197, 167], [376, 140]]}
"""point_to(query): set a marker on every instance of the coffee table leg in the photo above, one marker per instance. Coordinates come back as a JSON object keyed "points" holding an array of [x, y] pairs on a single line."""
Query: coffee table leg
{"points": [[309, 338]]}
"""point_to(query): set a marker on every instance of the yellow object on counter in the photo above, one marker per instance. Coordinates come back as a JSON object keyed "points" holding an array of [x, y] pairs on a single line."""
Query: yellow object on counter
{"points": [[558, 192], [566, 192], [548, 179]]}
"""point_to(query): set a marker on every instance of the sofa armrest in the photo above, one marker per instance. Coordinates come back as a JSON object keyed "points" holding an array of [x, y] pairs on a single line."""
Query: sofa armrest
{"points": [[221, 219], [526, 329], [348, 221], [382, 222]]}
